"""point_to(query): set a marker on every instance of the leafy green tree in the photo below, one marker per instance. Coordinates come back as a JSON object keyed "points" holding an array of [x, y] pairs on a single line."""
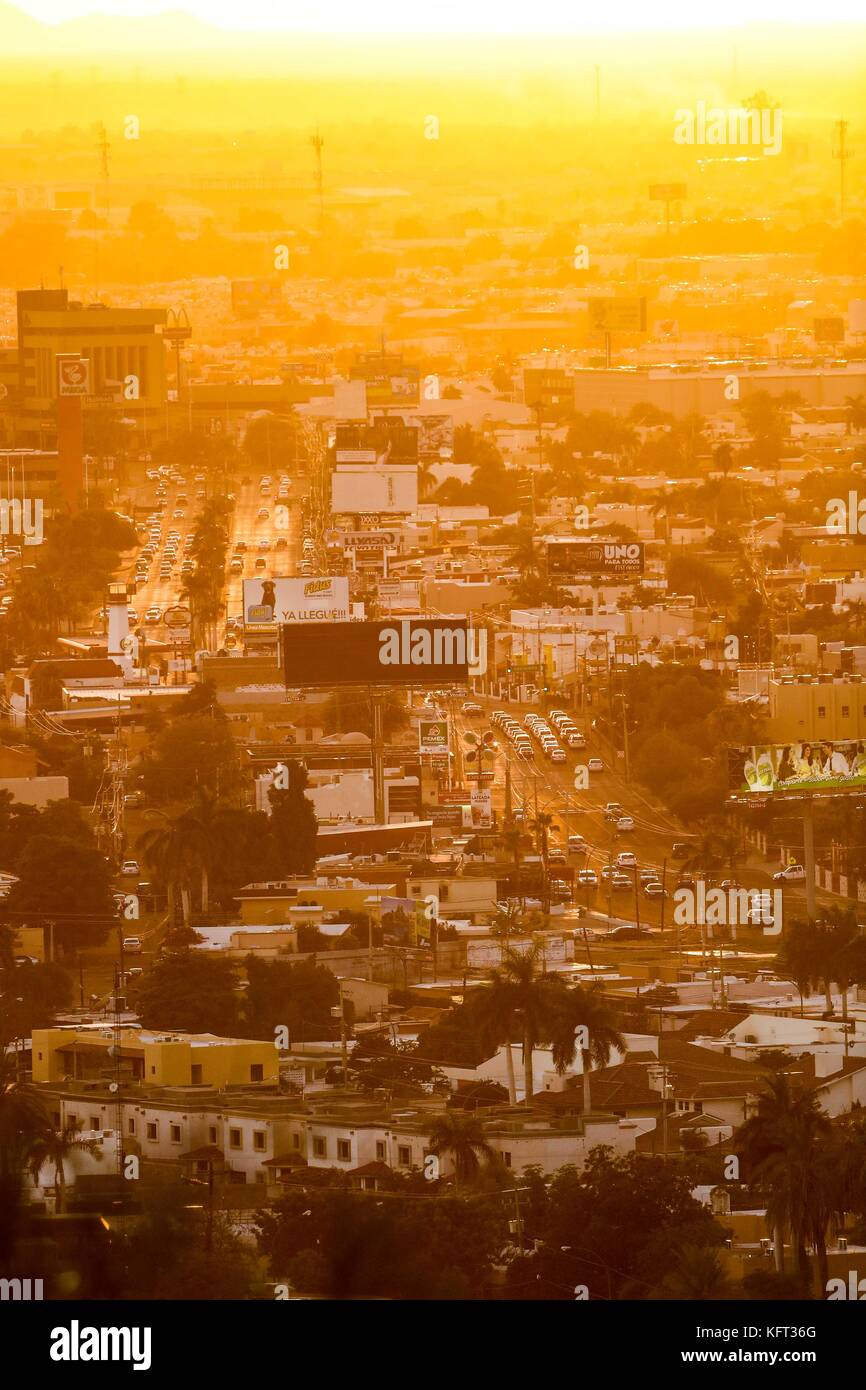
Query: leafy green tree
{"points": [[293, 823], [64, 887], [284, 995], [191, 992], [193, 755]]}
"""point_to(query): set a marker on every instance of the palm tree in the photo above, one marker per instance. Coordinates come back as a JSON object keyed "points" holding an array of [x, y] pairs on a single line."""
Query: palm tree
{"points": [[173, 852], [496, 1011], [855, 413], [23, 1122], [583, 1024], [699, 1276], [462, 1136], [534, 997], [55, 1146], [512, 840], [785, 1145]]}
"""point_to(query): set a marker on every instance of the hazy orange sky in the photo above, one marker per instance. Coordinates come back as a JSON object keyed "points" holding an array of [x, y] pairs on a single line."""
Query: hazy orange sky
{"points": [[447, 16]]}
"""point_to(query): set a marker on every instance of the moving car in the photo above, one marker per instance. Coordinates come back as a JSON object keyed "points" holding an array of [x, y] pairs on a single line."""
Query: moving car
{"points": [[130, 867], [625, 823], [595, 765], [132, 945], [792, 873]]}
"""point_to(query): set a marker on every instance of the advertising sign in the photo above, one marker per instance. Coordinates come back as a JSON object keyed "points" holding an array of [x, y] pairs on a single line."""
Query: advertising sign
{"points": [[435, 436], [667, 192], [479, 811], [399, 593], [403, 651], [611, 559], [817, 768], [828, 330], [253, 299], [73, 375], [433, 736], [268, 602], [617, 315]]}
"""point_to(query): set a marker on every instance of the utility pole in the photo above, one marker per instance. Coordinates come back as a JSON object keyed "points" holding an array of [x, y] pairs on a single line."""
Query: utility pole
{"points": [[809, 856], [378, 751], [317, 143], [843, 154]]}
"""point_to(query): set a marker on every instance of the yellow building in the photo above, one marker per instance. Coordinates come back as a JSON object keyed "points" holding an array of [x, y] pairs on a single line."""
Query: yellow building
{"points": [[157, 1059], [814, 708]]}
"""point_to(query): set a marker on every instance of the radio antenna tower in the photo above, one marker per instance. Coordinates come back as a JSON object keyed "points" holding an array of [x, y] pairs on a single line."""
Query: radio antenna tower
{"points": [[843, 154], [317, 142]]}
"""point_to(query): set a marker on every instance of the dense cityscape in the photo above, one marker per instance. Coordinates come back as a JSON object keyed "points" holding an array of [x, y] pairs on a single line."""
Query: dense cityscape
{"points": [[433, 637]]}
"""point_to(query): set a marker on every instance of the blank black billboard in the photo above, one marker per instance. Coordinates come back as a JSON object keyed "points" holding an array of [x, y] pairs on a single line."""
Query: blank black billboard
{"points": [[408, 652]]}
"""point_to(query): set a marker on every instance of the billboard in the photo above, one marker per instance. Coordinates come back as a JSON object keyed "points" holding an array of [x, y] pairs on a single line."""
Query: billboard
{"points": [[253, 299], [610, 559], [433, 736], [357, 488], [828, 330], [400, 651], [818, 768], [618, 315], [399, 593], [271, 601], [478, 815], [667, 192], [435, 436]]}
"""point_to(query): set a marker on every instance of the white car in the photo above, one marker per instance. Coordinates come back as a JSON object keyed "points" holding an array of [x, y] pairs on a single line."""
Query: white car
{"points": [[625, 823], [792, 873], [130, 867], [132, 945], [587, 878], [595, 765], [626, 860]]}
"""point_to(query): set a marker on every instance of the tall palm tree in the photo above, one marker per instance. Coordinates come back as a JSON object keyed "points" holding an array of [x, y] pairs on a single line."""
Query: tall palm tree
{"points": [[23, 1122], [172, 852], [512, 841], [462, 1136], [535, 997], [55, 1146], [855, 413], [583, 1024], [496, 1012], [785, 1145]]}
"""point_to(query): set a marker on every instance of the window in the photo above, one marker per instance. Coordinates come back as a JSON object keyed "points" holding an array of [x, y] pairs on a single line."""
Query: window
{"points": [[320, 1146], [195, 1074], [212, 1134], [55, 1118], [846, 710], [174, 1133], [257, 1072], [94, 1122], [506, 1159], [234, 1139], [296, 1141], [152, 1129], [130, 1126], [344, 1149], [404, 1155], [380, 1150], [73, 1121], [822, 711], [260, 1140]]}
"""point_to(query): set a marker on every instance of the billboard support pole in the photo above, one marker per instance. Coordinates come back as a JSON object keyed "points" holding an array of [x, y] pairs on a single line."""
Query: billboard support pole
{"points": [[809, 856], [378, 760]]}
